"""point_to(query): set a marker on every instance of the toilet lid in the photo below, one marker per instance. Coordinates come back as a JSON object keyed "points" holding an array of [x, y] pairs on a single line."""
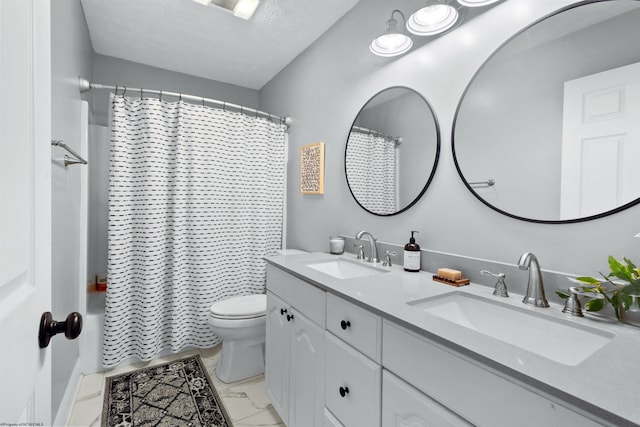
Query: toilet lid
{"points": [[241, 307]]}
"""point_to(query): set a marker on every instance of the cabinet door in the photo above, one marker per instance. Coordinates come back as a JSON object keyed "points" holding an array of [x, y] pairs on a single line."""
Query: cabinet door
{"points": [[307, 373], [277, 355], [404, 406]]}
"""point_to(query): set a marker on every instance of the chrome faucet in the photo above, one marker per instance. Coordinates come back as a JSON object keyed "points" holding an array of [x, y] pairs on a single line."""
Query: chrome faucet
{"points": [[535, 286], [373, 250]]}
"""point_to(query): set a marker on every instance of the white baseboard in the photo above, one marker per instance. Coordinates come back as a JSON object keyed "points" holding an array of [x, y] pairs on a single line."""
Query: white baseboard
{"points": [[64, 411]]}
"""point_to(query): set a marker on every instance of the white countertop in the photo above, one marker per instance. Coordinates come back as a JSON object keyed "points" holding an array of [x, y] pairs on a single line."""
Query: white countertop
{"points": [[607, 383]]}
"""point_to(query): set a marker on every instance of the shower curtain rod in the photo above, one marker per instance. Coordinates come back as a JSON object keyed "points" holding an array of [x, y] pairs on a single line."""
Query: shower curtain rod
{"points": [[396, 139], [86, 86]]}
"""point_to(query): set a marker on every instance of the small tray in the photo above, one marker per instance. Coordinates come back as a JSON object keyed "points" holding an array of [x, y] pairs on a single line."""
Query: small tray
{"points": [[459, 282]]}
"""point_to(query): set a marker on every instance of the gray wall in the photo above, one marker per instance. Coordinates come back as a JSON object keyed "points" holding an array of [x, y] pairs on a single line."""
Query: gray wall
{"points": [[325, 87], [113, 71], [71, 56]]}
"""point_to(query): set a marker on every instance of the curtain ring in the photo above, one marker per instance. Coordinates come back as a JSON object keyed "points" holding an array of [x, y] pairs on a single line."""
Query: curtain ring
{"points": [[269, 116], [141, 94], [242, 110], [125, 91], [224, 106], [160, 96], [180, 97], [203, 101], [116, 90], [256, 113]]}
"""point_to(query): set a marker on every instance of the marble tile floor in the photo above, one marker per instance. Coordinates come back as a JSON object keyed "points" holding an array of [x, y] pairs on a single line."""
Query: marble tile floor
{"points": [[246, 401]]}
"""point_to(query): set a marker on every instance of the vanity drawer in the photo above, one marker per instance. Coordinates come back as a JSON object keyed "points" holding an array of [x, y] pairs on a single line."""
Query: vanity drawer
{"points": [[299, 294], [352, 385], [466, 388], [401, 404], [356, 326]]}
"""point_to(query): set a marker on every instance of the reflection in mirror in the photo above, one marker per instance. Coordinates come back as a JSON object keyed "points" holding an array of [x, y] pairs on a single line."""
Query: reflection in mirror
{"points": [[553, 116], [392, 151]]}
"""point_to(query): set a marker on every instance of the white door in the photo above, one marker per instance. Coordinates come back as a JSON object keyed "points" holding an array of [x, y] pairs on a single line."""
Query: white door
{"points": [[600, 142], [25, 209]]}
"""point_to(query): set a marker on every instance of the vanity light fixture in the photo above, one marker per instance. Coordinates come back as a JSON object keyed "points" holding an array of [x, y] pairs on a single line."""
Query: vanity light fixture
{"points": [[435, 18], [393, 41]]}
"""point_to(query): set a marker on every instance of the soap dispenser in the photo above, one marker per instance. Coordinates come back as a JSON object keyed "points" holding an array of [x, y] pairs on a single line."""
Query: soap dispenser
{"points": [[412, 255]]}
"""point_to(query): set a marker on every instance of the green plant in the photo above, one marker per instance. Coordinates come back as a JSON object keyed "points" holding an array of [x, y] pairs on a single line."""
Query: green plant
{"points": [[619, 293]]}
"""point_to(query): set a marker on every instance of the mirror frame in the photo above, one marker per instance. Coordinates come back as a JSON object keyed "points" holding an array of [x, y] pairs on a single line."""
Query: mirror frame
{"points": [[455, 120], [435, 160]]}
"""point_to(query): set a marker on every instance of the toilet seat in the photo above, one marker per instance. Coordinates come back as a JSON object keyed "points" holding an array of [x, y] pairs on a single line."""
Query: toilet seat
{"points": [[240, 307]]}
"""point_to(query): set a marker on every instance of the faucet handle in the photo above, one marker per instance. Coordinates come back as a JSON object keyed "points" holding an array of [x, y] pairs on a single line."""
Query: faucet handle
{"points": [[572, 304], [387, 258], [360, 251], [501, 286]]}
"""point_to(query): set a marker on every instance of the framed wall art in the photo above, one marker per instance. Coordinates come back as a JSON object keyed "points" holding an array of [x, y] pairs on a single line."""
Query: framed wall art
{"points": [[312, 168]]}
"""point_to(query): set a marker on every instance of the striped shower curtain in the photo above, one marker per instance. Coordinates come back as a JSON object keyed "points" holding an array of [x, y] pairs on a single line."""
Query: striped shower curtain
{"points": [[371, 165], [196, 200]]}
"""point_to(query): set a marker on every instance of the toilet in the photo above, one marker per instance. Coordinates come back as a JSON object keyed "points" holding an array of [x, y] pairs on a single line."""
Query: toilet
{"points": [[240, 322]]}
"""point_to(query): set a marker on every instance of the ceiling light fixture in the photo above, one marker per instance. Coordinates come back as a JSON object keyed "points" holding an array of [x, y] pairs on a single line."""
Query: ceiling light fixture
{"points": [[435, 18], [241, 8], [392, 42], [476, 3]]}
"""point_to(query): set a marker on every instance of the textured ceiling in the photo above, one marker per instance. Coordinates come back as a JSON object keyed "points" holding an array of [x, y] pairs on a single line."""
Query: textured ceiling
{"points": [[206, 41]]}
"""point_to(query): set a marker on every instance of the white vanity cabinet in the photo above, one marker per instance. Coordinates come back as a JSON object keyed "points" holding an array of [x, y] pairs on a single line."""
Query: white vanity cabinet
{"points": [[295, 349], [334, 363]]}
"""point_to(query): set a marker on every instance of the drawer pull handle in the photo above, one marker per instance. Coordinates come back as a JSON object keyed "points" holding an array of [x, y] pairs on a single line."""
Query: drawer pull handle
{"points": [[283, 311], [345, 324], [344, 391], [289, 317]]}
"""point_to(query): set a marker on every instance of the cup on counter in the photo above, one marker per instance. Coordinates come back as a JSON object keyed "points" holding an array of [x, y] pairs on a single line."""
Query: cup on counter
{"points": [[336, 245]]}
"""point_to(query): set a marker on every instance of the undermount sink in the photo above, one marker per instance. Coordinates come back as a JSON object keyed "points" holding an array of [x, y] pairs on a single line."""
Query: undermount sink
{"points": [[344, 269], [554, 339]]}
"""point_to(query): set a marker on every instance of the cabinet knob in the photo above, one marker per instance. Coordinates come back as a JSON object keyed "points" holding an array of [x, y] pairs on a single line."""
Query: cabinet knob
{"points": [[345, 324], [344, 391], [289, 317], [283, 311]]}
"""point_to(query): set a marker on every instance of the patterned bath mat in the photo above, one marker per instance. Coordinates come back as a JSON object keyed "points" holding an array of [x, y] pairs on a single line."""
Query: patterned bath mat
{"points": [[177, 393]]}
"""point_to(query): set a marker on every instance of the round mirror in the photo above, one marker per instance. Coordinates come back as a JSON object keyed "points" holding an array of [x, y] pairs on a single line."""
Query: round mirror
{"points": [[548, 130], [392, 151]]}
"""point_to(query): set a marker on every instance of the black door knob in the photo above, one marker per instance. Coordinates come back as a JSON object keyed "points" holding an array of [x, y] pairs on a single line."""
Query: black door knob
{"points": [[72, 326], [345, 324], [344, 391], [289, 317], [283, 311]]}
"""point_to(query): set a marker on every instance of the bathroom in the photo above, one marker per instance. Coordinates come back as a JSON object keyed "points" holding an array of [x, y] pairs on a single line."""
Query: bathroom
{"points": [[323, 89]]}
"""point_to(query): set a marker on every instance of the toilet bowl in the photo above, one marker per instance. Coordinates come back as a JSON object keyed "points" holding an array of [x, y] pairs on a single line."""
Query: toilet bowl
{"points": [[240, 322]]}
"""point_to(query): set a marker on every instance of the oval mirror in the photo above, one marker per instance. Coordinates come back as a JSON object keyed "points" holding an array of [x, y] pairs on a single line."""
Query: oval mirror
{"points": [[392, 151], [548, 130]]}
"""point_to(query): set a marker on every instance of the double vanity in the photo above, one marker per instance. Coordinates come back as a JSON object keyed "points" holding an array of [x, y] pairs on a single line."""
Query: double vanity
{"points": [[355, 344]]}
